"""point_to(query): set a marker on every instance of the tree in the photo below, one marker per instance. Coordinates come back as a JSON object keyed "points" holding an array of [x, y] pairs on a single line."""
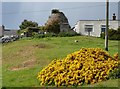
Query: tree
{"points": [[27, 23]]}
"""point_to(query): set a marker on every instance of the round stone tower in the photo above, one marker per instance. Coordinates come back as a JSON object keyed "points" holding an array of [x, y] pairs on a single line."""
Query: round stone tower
{"points": [[56, 15]]}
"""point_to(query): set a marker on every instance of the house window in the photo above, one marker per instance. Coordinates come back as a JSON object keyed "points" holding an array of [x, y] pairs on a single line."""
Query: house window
{"points": [[88, 28], [103, 27]]}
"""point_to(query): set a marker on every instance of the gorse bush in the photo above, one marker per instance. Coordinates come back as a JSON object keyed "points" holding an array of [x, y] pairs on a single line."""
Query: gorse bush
{"points": [[116, 56], [86, 66]]}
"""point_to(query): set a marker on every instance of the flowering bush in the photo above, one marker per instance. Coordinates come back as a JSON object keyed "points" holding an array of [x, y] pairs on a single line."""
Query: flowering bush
{"points": [[116, 56], [86, 66], [115, 73]]}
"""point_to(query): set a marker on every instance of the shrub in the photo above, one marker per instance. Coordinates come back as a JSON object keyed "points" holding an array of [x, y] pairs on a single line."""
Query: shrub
{"points": [[112, 34], [34, 33], [38, 36], [67, 34], [61, 34], [116, 56], [43, 35], [102, 35], [115, 73], [86, 66], [50, 35]]}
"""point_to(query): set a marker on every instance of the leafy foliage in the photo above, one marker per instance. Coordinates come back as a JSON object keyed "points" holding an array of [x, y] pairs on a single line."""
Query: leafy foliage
{"points": [[67, 34], [112, 34], [61, 34], [44, 35], [31, 31], [27, 23], [115, 73], [29, 28]]}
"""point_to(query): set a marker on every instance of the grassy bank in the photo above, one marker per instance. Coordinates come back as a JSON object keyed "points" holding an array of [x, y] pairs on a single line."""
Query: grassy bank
{"points": [[23, 59]]}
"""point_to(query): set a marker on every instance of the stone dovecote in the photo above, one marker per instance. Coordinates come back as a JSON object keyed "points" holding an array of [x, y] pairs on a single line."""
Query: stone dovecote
{"points": [[56, 15]]}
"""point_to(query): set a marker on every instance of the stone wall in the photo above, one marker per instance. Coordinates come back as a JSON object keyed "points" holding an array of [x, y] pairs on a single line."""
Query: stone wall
{"points": [[1, 31], [61, 18]]}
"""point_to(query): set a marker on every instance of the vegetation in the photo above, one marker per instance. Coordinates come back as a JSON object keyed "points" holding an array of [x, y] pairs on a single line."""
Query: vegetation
{"points": [[86, 66], [68, 34], [27, 23], [61, 34], [112, 34], [53, 25], [29, 31], [23, 59], [115, 74], [29, 28]]}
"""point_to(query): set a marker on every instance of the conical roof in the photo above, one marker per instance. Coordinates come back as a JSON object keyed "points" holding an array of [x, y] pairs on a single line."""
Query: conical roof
{"points": [[56, 15]]}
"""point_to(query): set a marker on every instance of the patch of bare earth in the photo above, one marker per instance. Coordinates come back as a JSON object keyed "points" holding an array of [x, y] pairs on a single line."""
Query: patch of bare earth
{"points": [[42, 45], [24, 65], [27, 55]]}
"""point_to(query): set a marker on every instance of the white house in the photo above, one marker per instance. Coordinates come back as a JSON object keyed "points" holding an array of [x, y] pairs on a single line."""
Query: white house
{"points": [[95, 27]]}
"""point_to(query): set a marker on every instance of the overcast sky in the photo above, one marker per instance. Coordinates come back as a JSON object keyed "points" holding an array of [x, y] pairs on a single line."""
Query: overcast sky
{"points": [[13, 13]]}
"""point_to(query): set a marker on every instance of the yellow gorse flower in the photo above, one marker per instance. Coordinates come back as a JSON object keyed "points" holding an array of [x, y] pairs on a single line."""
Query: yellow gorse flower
{"points": [[88, 65]]}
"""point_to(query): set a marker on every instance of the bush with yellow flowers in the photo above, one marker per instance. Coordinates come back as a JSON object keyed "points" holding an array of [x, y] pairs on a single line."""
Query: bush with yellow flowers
{"points": [[116, 56], [86, 66], [115, 73]]}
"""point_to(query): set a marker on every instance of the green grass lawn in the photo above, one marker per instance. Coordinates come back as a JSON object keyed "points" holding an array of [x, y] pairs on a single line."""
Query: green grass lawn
{"points": [[19, 54]]}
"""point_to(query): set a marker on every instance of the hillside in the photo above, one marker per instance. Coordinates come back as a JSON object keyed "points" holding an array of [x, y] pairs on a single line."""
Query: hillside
{"points": [[23, 59]]}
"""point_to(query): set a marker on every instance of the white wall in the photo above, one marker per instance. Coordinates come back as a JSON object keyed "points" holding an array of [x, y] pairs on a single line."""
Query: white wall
{"points": [[96, 26]]}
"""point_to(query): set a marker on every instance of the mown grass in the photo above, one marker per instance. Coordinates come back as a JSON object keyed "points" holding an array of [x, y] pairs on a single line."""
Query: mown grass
{"points": [[43, 51]]}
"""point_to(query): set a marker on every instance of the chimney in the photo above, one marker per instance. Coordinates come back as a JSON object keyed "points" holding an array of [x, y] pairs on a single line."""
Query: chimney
{"points": [[114, 17]]}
